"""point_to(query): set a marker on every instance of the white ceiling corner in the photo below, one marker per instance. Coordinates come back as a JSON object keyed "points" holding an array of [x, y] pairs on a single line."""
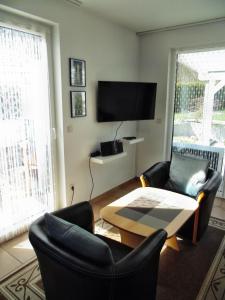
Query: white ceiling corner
{"points": [[147, 15]]}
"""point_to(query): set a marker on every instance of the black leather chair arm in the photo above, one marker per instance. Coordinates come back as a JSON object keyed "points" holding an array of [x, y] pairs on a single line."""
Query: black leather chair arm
{"points": [[142, 255], [132, 277], [158, 174], [80, 214], [212, 183], [205, 207]]}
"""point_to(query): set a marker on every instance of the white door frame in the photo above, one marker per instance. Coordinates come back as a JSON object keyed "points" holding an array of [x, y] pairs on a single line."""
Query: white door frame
{"points": [[172, 68], [15, 21]]}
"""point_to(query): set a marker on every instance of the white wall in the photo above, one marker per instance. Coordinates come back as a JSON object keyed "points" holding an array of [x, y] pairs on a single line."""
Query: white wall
{"points": [[111, 53], [156, 51]]}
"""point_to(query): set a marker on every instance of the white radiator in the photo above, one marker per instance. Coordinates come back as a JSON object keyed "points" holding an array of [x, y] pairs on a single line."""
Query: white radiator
{"points": [[214, 154]]}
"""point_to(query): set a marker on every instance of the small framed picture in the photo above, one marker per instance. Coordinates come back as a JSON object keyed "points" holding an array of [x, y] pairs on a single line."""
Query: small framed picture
{"points": [[77, 72], [78, 104]]}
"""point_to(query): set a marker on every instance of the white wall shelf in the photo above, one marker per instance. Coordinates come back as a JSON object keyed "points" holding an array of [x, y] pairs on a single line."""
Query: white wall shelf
{"points": [[134, 141], [106, 159]]}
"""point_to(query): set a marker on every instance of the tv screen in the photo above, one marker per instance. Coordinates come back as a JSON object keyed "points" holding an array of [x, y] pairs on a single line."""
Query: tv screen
{"points": [[125, 101]]}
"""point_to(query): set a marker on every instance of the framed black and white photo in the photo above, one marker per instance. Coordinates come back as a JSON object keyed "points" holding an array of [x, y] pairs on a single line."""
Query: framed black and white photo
{"points": [[78, 104], [77, 72]]}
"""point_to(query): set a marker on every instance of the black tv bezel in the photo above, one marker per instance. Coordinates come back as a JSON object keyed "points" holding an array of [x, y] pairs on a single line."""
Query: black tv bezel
{"points": [[101, 120]]}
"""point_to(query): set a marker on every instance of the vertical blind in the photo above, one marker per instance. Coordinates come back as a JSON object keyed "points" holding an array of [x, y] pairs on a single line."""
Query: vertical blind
{"points": [[25, 147]]}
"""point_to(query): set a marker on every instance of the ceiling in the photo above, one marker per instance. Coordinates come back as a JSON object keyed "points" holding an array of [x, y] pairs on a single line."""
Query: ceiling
{"points": [[144, 15]]}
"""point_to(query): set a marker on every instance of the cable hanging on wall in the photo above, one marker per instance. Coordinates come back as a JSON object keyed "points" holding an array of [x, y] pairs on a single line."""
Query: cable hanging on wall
{"points": [[72, 188], [92, 180], [121, 123]]}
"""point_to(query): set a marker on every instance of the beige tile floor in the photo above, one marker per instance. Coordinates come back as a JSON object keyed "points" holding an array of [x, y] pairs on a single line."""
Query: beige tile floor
{"points": [[14, 254], [218, 210], [17, 252]]}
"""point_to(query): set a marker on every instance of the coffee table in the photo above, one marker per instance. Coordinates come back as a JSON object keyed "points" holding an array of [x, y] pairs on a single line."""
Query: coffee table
{"points": [[144, 210]]}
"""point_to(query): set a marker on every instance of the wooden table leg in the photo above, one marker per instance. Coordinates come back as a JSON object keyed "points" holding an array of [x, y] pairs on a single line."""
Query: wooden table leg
{"points": [[130, 239], [195, 230], [172, 243]]}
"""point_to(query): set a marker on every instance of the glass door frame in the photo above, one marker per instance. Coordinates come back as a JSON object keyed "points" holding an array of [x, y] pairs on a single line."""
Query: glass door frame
{"points": [[23, 23], [169, 114], [171, 80]]}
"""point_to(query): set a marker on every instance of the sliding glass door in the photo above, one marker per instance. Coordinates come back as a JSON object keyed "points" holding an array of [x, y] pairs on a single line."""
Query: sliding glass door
{"points": [[199, 106], [25, 146]]}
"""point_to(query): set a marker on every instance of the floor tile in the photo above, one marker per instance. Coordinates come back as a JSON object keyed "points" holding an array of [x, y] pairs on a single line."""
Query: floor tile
{"points": [[218, 212], [20, 248], [217, 202], [8, 263], [222, 204]]}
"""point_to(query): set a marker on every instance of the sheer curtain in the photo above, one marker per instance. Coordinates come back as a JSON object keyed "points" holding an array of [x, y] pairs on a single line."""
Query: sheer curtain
{"points": [[199, 107], [200, 98], [25, 147]]}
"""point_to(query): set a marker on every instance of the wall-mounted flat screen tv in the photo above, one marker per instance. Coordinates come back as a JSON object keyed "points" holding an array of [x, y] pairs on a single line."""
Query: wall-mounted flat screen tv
{"points": [[125, 101]]}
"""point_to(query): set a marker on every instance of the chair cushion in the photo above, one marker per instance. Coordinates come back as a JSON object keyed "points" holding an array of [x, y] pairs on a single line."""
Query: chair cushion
{"points": [[78, 240], [187, 174], [118, 249]]}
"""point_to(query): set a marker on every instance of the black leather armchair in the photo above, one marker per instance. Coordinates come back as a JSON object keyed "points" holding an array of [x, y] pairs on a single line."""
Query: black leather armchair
{"points": [[158, 175], [131, 275]]}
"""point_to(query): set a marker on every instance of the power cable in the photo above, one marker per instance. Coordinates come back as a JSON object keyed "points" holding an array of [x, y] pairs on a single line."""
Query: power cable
{"points": [[92, 180], [72, 188], [117, 130]]}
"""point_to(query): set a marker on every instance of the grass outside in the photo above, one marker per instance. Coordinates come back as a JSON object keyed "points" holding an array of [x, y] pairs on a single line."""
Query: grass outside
{"points": [[219, 116], [197, 115]]}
